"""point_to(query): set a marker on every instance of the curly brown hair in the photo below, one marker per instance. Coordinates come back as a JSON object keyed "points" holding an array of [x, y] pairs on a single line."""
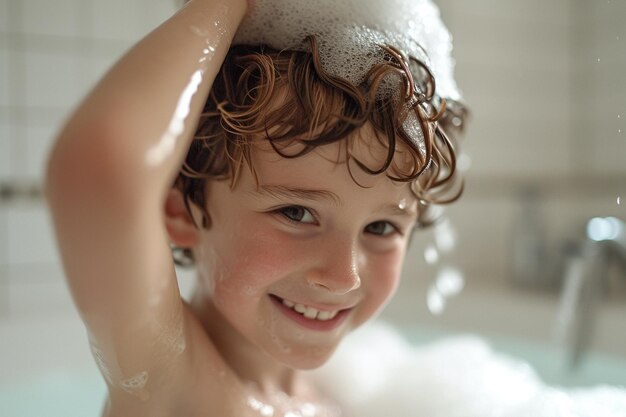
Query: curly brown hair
{"points": [[286, 97]]}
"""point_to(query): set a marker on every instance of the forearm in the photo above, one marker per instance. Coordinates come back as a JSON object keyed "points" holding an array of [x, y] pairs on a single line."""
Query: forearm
{"points": [[140, 118]]}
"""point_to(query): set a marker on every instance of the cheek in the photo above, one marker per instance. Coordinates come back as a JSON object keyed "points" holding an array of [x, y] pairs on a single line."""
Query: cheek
{"points": [[251, 261], [384, 278]]}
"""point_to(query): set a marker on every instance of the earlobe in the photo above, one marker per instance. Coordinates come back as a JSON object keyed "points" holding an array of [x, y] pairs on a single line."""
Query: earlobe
{"points": [[178, 221]]}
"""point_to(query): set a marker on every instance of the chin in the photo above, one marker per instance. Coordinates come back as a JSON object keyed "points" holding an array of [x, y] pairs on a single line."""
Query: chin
{"points": [[308, 359]]}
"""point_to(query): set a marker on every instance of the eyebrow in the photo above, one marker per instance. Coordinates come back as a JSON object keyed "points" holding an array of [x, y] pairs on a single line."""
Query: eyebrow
{"points": [[282, 191]]}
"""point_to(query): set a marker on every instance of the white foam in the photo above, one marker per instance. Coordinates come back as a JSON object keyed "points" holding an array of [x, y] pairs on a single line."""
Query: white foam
{"points": [[110, 369], [375, 372], [350, 32], [136, 384]]}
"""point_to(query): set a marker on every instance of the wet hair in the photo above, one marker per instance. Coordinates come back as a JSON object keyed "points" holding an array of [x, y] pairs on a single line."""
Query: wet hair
{"points": [[285, 97]]}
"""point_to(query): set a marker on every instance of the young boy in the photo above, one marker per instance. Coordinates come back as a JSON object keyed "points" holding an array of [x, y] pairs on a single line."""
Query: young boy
{"points": [[298, 194]]}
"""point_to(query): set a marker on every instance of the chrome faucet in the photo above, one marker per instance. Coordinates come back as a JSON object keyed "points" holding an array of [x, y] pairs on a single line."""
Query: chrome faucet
{"points": [[590, 266]]}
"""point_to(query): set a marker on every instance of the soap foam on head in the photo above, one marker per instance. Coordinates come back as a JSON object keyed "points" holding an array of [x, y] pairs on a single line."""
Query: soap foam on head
{"points": [[351, 37], [350, 34]]}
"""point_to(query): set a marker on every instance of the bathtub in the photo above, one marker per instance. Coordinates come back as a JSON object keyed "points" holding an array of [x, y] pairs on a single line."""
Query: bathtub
{"points": [[47, 369]]}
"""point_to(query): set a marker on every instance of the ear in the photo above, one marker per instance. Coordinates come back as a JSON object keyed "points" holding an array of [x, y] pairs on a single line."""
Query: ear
{"points": [[178, 222]]}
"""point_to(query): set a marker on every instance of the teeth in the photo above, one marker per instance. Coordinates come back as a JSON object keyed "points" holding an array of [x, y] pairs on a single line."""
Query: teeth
{"points": [[310, 312], [324, 315]]}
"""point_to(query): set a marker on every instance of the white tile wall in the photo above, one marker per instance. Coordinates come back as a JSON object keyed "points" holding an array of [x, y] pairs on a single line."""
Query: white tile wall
{"points": [[58, 344], [599, 89], [116, 19], [4, 295], [128, 21], [609, 100], [54, 79], [4, 15], [38, 288], [5, 148], [5, 144], [4, 279], [610, 9], [53, 18], [516, 45], [509, 60], [553, 12], [525, 148], [40, 130], [17, 144], [52, 54], [4, 72], [30, 235]]}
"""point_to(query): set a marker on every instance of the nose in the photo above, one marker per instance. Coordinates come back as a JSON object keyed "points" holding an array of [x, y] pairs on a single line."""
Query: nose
{"points": [[337, 268]]}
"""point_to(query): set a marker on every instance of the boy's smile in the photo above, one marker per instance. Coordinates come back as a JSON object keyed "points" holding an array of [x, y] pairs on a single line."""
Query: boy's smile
{"points": [[322, 319], [291, 266]]}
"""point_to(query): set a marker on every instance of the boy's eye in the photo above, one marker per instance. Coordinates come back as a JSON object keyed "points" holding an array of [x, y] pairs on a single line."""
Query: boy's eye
{"points": [[381, 228], [297, 214]]}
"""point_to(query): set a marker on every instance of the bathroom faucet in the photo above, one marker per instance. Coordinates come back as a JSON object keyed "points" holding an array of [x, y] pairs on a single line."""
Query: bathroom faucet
{"points": [[587, 278]]}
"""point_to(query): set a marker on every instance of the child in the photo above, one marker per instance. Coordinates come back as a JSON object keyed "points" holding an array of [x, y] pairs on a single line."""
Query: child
{"points": [[299, 190]]}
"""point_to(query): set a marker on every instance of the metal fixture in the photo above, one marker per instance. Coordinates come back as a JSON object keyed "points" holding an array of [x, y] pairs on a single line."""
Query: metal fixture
{"points": [[591, 268]]}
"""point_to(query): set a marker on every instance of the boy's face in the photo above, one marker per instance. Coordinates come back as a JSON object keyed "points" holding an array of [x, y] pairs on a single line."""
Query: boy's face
{"points": [[310, 239]]}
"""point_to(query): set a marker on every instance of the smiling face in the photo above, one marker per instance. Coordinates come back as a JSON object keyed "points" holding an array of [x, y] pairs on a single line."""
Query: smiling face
{"points": [[295, 264]]}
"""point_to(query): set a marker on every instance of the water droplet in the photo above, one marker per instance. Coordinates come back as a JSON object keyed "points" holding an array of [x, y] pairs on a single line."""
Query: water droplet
{"points": [[435, 301], [449, 282], [464, 162], [431, 255], [619, 200], [598, 59], [619, 130], [445, 236]]}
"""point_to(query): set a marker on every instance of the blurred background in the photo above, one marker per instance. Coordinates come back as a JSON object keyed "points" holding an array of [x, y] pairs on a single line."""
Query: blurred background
{"points": [[532, 257], [534, 248]]}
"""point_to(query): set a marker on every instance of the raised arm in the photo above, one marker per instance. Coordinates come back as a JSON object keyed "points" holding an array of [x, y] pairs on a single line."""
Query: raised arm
{"points": [[107, 179]]}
